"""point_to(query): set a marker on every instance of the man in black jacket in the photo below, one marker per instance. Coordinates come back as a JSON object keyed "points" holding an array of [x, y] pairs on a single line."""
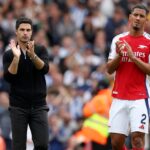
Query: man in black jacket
{"points": [[25, 65]]}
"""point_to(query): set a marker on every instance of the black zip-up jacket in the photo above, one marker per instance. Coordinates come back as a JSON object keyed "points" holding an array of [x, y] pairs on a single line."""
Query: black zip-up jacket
{"points": [[28, 86]]}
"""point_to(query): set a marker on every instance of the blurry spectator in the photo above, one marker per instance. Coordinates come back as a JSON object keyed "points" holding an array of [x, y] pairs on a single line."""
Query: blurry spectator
{"points": [[40, 38], [54, 76], [80, 39], [78, 12], [115, 23], [67, 46], [17, 7], [5, 124], [98, 18], [88, 28], [54, 20], [106, 7], [91, 59], [56, 135], [8, 24], [100, 46], [67, 25]]}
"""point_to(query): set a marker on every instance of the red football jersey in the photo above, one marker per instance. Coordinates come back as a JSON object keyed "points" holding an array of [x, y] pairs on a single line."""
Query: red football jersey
{"points": [[130, 82]]}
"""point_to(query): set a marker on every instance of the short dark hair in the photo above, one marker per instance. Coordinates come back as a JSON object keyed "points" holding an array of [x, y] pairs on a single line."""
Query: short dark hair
{"points": [[23, 20], [140, 6]]}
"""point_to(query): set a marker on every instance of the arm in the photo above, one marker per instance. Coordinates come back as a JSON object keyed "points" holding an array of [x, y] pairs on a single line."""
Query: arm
{"points": [[10, 62], [113, 64], [13, 68], [40, 62], [145, 67]]}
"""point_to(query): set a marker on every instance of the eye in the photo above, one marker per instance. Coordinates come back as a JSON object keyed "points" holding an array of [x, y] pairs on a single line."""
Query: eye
{"points": [[28, 30]]}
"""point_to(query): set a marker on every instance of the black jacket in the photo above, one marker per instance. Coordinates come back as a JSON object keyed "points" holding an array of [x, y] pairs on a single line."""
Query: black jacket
{"points": [[28, 86]]}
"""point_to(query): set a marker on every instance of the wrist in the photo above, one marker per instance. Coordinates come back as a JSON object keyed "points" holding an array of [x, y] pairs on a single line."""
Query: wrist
{"points": [[16, 58], [119, 55], [34, 57], [133, 58]]}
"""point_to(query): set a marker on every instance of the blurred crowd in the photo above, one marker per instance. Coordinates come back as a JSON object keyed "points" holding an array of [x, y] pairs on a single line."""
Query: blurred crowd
{"points": [[77, 35]]}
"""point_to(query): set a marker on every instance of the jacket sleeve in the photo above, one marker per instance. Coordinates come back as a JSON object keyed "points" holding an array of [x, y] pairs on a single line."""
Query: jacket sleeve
{"points": [[7, 59], [44, 56]]}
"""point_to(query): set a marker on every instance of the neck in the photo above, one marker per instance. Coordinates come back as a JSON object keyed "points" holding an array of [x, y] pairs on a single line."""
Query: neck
{"points": [[22, 45], [136, 32]]}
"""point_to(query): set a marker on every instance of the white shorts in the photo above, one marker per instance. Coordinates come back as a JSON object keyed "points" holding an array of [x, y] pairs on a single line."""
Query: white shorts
{"points": [[129, 116]]}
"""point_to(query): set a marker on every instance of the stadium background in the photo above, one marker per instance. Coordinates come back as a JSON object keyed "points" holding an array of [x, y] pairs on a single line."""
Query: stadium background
{"points": [[77, 35]]}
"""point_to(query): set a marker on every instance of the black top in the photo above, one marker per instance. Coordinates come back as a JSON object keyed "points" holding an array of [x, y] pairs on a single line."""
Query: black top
{"points": [[28, 86]]}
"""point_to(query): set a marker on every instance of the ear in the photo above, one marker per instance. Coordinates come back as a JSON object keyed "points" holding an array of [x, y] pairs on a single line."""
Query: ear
{"points": [[147, 18], [147, 22]]}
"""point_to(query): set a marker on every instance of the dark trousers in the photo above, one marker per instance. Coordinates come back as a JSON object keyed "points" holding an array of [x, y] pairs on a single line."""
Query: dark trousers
{"points": [[37, 120]]}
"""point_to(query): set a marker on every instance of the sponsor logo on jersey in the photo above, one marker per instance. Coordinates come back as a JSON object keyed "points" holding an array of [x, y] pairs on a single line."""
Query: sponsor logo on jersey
{"points": [[125, 57]]}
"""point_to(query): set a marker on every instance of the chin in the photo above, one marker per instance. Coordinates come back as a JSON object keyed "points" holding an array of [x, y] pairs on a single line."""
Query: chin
{"points": [[24, 41], [136, 28]]}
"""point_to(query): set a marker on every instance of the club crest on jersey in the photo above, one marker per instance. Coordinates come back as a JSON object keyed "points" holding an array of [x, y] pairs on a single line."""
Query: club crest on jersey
{"points": [[142, 46]]}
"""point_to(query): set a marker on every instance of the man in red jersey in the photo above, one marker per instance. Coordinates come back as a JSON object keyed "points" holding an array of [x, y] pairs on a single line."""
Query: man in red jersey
{"points": [[129, 59]]}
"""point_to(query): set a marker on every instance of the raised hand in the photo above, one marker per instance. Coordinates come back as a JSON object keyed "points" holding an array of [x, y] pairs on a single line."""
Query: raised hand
{"points": [[120, 47], [15, 49], [129, 51], [30, 49]]}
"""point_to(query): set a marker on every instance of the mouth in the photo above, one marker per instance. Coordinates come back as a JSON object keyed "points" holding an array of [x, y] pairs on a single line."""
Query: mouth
{"points": [[136, 22]]}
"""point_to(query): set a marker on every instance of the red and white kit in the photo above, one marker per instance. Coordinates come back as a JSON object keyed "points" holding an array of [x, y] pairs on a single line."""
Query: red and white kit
{"points": [[130, 81], [131, 84]]}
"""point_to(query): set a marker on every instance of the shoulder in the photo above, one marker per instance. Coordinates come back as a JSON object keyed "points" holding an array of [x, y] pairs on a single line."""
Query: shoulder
{"points": [[8, 52], [146, 35]]}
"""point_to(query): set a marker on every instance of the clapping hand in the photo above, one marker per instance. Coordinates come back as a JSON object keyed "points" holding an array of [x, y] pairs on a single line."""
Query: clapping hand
{"points": [[120, 47], [15, 49], [129, 51], [30, 49]]}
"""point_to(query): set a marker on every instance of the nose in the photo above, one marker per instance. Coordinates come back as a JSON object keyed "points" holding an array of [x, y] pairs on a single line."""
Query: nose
{"points": [[138, 17], [25, 32]]}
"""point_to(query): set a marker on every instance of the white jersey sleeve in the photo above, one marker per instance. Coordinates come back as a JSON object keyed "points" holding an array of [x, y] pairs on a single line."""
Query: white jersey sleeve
{"points": [[113, 52]]}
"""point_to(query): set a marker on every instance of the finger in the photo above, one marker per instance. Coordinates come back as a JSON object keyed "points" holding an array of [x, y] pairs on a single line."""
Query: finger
{"points": [[126, 43], [123, 46], [32, 42], [12, 41], [18, 47]]}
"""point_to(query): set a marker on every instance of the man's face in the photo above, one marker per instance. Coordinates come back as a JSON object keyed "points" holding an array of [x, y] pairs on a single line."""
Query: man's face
{"points": [[138, 19], [24, 32]]}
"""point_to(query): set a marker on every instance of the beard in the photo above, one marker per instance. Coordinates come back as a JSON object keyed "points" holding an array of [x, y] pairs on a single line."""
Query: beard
{"points": [[24, 40], [136, 28]]}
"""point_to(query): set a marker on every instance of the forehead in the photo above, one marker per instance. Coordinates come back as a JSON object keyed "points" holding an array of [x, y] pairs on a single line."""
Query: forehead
{"points": [[139, 11], [25, 26]]}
